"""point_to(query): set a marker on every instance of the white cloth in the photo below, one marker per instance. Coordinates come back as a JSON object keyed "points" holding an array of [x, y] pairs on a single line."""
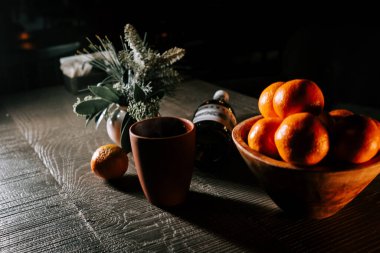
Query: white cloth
{"points": [[77, 65]]}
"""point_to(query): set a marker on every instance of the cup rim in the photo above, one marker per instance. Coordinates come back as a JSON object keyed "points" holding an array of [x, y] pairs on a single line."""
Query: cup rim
{"points": [[190, 127]]}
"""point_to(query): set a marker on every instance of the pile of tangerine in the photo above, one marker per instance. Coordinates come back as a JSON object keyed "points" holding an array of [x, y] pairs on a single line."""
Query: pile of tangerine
{"points": [[296, 129]]}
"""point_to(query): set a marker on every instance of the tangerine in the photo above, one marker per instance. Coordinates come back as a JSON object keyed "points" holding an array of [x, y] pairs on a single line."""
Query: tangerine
{"points": [[302, 139], [298, 95], [261, 136], [266, 100], [109, 161], [378, 129], [356, 139], [338, 114]]}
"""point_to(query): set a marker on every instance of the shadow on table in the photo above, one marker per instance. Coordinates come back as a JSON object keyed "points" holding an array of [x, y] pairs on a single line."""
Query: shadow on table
{"points": [[128, 184], [252, 225], [235, 171], [235, 221]]}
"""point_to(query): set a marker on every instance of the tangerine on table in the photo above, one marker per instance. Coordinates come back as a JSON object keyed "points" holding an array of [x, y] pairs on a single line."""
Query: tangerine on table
{"points": [[261, 136], [302, 139], [378, 130], [338, 114], [298, 95], [356, 139], [109, 161], [266, 100]]}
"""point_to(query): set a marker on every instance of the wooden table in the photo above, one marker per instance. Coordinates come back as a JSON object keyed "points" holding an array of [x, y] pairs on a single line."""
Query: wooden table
{"points": [[50, 201]]}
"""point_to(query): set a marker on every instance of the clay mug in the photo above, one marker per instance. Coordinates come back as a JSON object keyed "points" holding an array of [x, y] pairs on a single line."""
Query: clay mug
{"points": [[163, 151]]}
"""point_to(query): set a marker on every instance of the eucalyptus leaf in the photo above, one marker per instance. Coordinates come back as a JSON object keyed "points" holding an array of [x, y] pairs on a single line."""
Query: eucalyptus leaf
{"points": [[99, 117], [105, 93], [125, 139], [87, 122], [91, 107], [139, 94], [108, 80], [159, 93], [89, 118], [126, 77]]}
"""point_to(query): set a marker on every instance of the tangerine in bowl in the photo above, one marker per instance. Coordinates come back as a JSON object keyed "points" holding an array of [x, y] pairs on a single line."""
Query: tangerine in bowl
{"points": [[318, 191]]}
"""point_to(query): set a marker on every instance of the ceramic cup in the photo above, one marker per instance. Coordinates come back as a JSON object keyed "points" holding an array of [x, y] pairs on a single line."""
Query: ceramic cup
{"points": [[163, 151]]}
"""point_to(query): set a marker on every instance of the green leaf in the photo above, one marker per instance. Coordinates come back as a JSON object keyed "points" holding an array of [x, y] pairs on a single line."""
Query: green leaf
{"points": [[91, 107], [125, 139], [105, 93], [108, 80], [89, 118], [139, 94], [99, 117], [159, 93]]}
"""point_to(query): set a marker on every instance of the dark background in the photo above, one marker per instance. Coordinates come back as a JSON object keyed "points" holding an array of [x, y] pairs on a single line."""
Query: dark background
{"points": [[244, 47]]}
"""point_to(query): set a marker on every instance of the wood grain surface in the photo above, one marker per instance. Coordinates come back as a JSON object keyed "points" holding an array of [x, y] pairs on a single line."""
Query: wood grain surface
{"points": [[51, 202]]}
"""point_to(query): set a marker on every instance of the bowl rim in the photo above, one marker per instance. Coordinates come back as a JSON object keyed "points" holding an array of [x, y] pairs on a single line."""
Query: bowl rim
{"points": [[242, 145]]}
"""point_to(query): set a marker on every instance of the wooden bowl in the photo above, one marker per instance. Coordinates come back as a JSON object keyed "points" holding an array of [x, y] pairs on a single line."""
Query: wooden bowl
{"points": [[316, 192]]}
